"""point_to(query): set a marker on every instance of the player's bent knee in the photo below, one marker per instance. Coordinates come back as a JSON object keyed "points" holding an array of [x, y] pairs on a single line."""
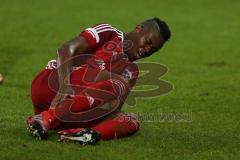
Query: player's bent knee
{"points": [[121, 87], [131, 120]]}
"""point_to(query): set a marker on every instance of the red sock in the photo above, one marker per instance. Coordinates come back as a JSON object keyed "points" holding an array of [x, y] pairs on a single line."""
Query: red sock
{"points": [[49, 119], [122, 126]]}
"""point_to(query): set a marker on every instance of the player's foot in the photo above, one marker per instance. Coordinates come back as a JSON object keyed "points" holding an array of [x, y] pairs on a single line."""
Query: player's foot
{"points": [[83, 137], [36, 127]]}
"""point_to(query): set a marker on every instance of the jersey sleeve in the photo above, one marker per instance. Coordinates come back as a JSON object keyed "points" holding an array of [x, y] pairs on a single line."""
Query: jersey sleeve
{"points": [[99, 34]]}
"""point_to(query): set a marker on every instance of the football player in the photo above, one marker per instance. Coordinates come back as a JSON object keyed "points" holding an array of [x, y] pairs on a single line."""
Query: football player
{"points": [[80, 94]]}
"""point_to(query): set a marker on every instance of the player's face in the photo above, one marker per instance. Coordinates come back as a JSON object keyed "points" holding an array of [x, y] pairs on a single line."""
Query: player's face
{"points": [[145, 43]]}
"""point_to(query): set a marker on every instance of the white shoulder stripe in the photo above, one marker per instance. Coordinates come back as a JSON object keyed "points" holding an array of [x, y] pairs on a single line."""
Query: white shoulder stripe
{"points": [[94, 33], [106, 30], [118, 31], [101, 25], [104, 27]]}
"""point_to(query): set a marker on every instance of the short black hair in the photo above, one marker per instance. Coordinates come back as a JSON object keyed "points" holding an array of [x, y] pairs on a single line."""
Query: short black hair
{"points": [[164, 29]]}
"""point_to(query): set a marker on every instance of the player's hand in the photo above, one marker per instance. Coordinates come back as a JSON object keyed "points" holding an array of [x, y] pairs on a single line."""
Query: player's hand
{"points": [[63, 93]]}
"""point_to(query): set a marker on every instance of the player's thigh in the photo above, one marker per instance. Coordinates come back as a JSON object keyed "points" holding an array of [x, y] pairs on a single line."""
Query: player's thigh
{"points": [[42, 92]]}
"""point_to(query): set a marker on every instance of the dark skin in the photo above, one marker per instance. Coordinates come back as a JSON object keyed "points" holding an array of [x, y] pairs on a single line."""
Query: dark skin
{"points": [[145, 41]]}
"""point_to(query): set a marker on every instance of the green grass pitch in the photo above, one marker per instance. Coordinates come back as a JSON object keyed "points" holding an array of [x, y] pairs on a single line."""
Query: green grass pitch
{"points": [[203, 58]]}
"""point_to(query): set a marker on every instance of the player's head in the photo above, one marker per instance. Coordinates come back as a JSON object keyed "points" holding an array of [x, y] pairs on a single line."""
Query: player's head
{"points": [[147, 38]]}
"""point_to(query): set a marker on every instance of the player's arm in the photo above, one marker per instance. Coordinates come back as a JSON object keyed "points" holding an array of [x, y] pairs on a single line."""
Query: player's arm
{"points": [[87, 42], [65, 55], [66, 52]]}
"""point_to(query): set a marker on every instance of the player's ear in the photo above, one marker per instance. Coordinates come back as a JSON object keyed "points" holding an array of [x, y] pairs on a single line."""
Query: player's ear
{"points": [[138, 28]]}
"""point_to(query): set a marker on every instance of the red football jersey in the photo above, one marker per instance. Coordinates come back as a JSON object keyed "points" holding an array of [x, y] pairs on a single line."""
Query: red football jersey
{"points": [[106, 43]]}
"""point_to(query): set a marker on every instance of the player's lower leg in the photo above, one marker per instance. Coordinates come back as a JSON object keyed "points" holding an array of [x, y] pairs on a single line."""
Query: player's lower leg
{"points": [[38, 125], [121, 126]]}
